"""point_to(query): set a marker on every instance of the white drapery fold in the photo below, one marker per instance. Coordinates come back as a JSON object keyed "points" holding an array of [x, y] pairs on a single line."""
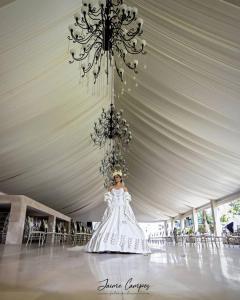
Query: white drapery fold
{"points": [[185, 112]]}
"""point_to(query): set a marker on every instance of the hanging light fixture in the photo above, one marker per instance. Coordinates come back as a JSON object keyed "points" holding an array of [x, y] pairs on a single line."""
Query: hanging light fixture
{"points": [[111, 126], [108, 29], [113, 160]]}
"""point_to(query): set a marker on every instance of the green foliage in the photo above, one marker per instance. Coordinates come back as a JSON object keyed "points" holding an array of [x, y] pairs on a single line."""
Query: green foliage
{"points": [[235, 207], [201, 229], [209, 219], [200, 217], [224, 218], [190, 231]]}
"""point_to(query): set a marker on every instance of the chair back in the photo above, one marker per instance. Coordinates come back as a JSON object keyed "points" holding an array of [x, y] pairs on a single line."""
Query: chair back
{"points": [[30, 223], [45, 225]]}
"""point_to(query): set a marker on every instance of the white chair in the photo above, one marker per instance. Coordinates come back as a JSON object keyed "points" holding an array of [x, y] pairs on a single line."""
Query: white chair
{"points": [[34, 233], [58, 237], [80, 236], [47, 234]]}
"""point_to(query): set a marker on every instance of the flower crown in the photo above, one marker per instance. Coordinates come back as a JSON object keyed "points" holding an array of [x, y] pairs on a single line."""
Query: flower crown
{"points": [[119, 173]]}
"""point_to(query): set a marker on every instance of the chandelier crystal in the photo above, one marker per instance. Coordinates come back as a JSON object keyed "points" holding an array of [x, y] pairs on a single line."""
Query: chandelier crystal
{"points": [[111, 126], [113, 160], [108, 29]]}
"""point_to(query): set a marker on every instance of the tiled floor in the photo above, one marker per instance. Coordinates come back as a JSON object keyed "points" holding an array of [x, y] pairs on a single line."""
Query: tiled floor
{"points": [[171, 273]]}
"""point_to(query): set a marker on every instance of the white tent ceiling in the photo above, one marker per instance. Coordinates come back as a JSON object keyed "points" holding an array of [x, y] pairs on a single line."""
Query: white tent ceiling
{"points": [[184, 114]]}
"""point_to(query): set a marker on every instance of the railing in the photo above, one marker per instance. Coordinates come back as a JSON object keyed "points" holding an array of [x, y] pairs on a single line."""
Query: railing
{"points": [[58, 237], [196, 240], [4, 218]]}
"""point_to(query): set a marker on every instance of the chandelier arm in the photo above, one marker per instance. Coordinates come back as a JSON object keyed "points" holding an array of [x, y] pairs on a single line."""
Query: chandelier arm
{"points": [[115, 14], [88, 50], [131, 31], [83, 40], [116, 32], [125, 44], [90, 65], [93, 17], [103, 15], [85, 54], [118, 71], [99, 64], [130, 37], [79, 24], [133, 35], [81, 57], [95, 31], [128, 64], [86, 21], [137, 51], [128, 22], [120, 51], [129, 47], [95, 42], [95, 12], [116, 29], [88, 24], [99, 33]]}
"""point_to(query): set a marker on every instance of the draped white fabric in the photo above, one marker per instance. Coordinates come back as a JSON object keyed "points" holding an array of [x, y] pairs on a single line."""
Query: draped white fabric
{"points": [[46, 116], [184, 114]]}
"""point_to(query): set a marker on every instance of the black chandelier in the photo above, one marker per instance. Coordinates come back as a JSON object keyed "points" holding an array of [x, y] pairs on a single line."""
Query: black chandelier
{"points": [[113, 160], [109, 29], [111, 126]]}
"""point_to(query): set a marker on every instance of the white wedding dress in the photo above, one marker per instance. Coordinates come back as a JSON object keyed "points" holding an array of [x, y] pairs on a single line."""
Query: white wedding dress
{"points": [[119, 230]]}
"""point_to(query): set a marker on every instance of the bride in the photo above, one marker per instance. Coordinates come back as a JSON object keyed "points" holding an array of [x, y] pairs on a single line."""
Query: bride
{"points": [[119, 230]]}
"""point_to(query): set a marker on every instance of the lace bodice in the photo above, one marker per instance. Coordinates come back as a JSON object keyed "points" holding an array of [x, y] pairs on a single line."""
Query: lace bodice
{"points": [[118, 196]]}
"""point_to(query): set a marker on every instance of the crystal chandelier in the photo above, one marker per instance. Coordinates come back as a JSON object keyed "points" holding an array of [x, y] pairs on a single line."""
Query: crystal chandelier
{"points": [[108, 29], [111, 126], [113, 160]]}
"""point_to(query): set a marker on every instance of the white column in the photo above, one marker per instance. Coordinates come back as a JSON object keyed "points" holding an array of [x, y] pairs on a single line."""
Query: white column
{"points": [[172, 223], [166, 227], [170, 226], [182, 223], [51, 228], [69, 227], [16, 222], [216, 218], [195, 220]]}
